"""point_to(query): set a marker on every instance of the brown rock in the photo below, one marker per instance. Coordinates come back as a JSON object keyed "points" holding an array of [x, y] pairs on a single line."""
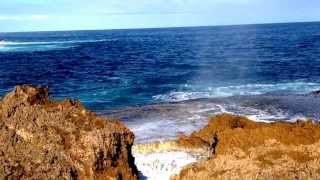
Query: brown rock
{"points": [[243, 149], [44, 139]]}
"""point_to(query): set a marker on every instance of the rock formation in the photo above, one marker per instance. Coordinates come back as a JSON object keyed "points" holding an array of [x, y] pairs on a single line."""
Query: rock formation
{"points": [[243, 149], [45, 139]]}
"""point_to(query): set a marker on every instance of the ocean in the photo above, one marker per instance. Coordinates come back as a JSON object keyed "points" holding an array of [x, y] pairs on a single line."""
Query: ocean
{"points": [[162, 82]]}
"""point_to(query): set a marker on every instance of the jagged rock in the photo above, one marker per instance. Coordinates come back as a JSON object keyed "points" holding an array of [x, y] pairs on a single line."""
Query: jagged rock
{"points": [[45, 139], [243, 149]]}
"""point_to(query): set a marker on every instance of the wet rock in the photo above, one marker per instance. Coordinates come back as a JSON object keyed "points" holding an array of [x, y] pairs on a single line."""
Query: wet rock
{"points": [[45, 139], [243, 149], [316, 93]]}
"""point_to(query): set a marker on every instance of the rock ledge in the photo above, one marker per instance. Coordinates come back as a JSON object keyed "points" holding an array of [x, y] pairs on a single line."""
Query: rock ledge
{"points": [[45, 139], [243, 149]]}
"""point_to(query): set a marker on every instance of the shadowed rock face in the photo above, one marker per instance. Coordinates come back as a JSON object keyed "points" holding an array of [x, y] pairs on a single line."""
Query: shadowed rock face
{"points": [[243, 149], [44, 139]]}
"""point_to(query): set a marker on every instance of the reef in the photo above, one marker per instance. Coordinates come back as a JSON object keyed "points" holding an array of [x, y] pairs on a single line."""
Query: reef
{"points": [[46, 139], [243, 149]]}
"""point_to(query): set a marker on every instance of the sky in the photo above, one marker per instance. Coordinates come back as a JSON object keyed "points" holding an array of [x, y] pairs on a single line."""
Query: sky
{"points": [[50, 15]]}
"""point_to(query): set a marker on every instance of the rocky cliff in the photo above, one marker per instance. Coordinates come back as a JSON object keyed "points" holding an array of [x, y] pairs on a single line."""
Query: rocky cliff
{"points": [[243, 149], [45, 139]]}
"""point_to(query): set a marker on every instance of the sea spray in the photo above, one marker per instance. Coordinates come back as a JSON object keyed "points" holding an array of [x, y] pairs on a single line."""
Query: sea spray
{"points": [[161, 160]]}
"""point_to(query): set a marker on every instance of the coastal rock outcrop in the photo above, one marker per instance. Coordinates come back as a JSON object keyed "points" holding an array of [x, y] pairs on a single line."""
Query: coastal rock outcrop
{"points": [[45, 139], [243, 149]]}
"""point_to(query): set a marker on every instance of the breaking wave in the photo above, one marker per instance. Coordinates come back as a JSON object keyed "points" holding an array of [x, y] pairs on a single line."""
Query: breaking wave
{"points": [[194, 92], [15, 46]]}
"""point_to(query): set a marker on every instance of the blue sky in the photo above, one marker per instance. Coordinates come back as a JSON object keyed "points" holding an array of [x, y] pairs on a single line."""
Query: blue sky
{"points": [[37, 15]]}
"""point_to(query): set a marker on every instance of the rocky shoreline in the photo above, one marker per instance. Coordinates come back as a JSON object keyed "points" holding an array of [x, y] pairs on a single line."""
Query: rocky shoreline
{"points": [[243, 149], [45, 139]]}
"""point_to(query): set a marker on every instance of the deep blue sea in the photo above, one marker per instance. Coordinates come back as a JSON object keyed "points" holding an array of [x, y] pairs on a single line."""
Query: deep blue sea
{"points": [[118, 69]]}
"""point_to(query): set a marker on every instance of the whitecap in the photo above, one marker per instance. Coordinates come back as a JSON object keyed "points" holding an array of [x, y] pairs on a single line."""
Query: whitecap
{"points": [[196, 92], [17, 46], [5, 43]]}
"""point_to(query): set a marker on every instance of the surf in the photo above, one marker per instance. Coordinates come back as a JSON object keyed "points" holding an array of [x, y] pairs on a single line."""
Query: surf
{"points": [[20, 46], [193, 91]]}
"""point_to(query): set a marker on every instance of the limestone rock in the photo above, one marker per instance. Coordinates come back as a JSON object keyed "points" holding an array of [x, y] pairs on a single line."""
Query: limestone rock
{"points": [[45, 139], [243, 149]]}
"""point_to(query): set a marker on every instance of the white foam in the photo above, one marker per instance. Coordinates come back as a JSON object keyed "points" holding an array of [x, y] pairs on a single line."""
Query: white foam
{"points": [[33, 48], [299, 117], [162, 165], [186, 117], [159, 129], [196, 92], [8, 46], [11, 43]]}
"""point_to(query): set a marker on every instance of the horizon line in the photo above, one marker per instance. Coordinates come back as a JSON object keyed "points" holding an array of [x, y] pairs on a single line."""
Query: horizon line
{"points": [[164, 27]]}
